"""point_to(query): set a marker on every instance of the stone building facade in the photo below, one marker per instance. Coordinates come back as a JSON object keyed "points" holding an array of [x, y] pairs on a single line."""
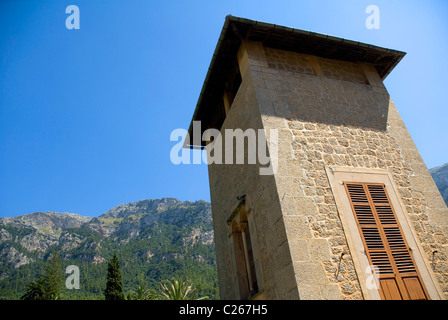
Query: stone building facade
{"points": [[297, 234]]}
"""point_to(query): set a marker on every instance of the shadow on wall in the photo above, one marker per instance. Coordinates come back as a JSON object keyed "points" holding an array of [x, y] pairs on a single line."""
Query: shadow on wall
{"points": [[311, 89]]}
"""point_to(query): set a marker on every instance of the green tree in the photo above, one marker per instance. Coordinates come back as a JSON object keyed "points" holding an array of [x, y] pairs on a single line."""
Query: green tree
{"points": [[114, 285], [178, 290], [142, 294], [47, 287], [35, 290]]}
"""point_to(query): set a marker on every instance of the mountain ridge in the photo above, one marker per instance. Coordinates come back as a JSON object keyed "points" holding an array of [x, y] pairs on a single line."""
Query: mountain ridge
{"points": [[440, 177], [155, 238], [51, 219]]}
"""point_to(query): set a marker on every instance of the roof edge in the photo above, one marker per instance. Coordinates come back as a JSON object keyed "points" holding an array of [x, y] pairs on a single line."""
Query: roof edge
{"points": [[384, 59]]}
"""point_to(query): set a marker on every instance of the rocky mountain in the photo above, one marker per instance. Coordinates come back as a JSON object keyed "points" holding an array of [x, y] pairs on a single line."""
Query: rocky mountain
{"points": [[440, 176], [154, 239], [35, 232]]}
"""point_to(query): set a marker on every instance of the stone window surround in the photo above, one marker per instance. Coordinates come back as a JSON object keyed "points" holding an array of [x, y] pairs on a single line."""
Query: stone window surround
{"points": [[336, 177], [243, 215]]}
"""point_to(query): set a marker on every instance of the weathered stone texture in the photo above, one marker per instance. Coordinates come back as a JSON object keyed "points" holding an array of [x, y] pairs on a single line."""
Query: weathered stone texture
{"points": [[339, 119], [227, 181], [327, 113]]}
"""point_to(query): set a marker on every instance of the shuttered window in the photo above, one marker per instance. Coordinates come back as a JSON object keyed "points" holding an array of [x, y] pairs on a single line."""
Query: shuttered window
{"points": [[385, 243]]}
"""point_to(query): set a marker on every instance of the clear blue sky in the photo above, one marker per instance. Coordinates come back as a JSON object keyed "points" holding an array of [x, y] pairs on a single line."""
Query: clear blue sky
{"points": [[86, 115]]}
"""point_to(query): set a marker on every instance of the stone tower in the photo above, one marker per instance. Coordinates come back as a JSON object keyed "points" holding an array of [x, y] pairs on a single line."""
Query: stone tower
{"points": [[351, 211]]}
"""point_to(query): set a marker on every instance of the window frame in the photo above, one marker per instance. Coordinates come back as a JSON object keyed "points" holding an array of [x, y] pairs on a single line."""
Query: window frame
{"points": [[241, 228], [337, 176]]}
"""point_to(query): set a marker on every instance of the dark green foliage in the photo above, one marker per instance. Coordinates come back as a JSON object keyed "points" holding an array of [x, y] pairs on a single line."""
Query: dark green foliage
{"points": [[141, 293], [114, 285], [178, 289], [35, 290], [49, 285]]}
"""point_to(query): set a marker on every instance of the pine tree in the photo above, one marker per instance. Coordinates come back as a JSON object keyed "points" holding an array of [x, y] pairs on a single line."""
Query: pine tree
{"points": [[54, 277], [114, 285], [47, 287]]}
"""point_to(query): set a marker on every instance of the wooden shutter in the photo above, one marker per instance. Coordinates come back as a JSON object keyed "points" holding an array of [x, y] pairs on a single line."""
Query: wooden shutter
{"points": [[385, 243], [245, 261]]}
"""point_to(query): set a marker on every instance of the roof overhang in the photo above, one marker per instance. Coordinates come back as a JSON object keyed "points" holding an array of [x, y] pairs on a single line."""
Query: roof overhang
{"points": [[236, 29]]}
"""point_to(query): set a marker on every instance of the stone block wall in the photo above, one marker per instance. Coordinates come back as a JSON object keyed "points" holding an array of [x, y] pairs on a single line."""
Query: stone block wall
{"points": [[274, 267], [327, 113], [335, 113]]}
